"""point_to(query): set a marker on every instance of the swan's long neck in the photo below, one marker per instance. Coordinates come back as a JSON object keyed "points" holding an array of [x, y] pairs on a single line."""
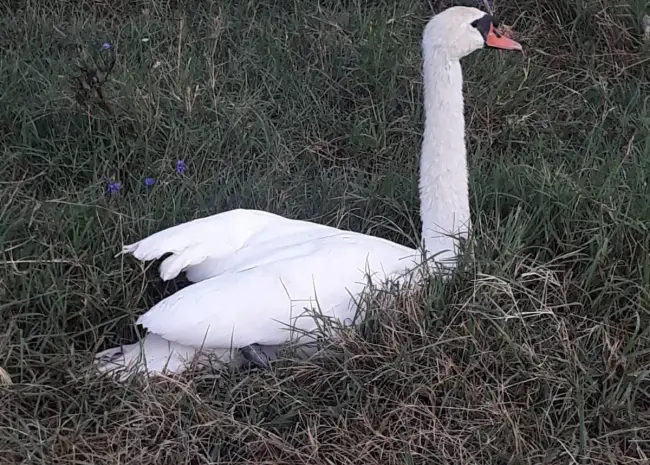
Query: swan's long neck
{"points": [[443, 163]]}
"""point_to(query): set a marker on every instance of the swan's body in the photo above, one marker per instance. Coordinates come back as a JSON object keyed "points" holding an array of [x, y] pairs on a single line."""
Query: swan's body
{"points": [[272, 270], [256, 273]]}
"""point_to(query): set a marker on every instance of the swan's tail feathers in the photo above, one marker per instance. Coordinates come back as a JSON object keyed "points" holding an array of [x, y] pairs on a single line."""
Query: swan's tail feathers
{"points": [[150, 357]]}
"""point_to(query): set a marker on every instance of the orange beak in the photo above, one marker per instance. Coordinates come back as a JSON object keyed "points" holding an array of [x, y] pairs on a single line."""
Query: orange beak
{"points": [[496, 39]]}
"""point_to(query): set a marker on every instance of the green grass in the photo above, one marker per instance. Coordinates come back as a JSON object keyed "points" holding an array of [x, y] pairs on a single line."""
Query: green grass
{"points": [[539, 353]]}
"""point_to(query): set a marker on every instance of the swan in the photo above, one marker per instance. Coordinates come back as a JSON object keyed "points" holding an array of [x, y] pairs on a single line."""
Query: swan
{"points": [[256, 274]]}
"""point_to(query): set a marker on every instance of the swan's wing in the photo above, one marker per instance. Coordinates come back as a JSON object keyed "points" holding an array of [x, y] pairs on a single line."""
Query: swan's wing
{"points": [[198, 246], [259, 297]]}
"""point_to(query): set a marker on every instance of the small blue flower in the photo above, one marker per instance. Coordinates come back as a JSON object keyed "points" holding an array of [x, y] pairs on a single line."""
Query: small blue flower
{"points": [[106, 45], [149, 182], [113, 187], [180, 166]]}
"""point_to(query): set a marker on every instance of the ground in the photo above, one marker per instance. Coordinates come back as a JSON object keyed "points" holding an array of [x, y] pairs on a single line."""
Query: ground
{"points": [[537, 352]]}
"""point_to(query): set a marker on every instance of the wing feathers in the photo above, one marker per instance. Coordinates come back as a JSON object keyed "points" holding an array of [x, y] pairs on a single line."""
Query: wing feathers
{"points": [[193, 242]]}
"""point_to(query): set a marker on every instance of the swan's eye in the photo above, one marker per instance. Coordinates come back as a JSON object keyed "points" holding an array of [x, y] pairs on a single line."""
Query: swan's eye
{"points": [[483, 24]]}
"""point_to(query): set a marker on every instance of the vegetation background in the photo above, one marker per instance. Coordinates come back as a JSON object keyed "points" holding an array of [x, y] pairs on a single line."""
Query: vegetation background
{"points": [[538, 353]]}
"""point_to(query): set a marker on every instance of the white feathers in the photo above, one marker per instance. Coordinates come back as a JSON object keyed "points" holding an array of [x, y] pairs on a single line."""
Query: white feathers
{"points": [[254, 293], [193, 242], [259, 277], [265, 291]]}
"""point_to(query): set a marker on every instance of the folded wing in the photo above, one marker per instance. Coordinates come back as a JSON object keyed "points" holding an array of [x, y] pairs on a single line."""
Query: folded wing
{"points": [[198, 247], [273, 287]]}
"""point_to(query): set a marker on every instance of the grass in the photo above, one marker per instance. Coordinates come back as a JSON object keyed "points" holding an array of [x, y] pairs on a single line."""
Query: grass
{"points": [[539, 353]]}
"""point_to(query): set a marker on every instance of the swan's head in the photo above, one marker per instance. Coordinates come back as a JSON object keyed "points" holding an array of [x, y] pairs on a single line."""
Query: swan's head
{"points": [[459, 30]]}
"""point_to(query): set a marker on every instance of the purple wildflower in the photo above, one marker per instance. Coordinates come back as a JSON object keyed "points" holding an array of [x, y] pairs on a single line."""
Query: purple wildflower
{"points": [[180, 166], [149, 182], [113, 187], [106, 45]]}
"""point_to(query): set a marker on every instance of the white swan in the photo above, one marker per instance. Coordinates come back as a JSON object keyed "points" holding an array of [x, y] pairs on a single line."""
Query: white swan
{"points": [[255, 272]]}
